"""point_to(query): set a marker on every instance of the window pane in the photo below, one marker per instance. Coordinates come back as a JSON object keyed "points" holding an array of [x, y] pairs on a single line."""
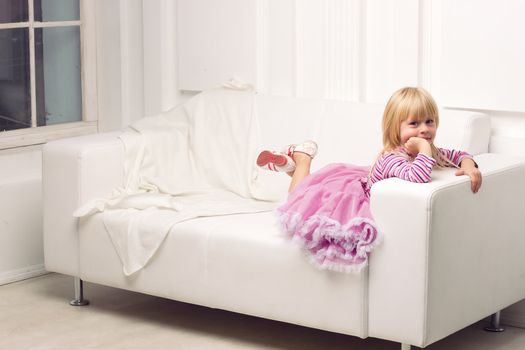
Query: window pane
{"points": [[13, 11], [57, 10], [58, 84], [15, 96]]}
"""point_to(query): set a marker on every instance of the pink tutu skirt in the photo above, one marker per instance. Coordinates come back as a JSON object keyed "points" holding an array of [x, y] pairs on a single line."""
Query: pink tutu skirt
{"points": [[328, 214]]}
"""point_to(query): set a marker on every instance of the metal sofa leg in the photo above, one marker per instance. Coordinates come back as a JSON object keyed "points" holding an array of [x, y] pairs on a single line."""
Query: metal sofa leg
{"points": [[79, 294], [405, 346], [494, 323]]}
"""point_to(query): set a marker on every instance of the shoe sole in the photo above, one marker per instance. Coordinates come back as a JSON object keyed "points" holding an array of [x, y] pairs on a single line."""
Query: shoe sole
{"points": [[268, 157]]}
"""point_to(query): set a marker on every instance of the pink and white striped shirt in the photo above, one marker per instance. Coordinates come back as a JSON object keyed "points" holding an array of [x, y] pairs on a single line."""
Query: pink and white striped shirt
{"points": [[401, 165]]}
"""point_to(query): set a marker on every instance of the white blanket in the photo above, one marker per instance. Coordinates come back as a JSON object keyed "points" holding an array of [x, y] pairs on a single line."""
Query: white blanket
{"points": [[195, 160]]}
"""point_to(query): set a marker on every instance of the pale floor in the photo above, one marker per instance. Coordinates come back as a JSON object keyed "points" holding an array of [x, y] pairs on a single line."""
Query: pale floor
{"points": [[35, 314]]}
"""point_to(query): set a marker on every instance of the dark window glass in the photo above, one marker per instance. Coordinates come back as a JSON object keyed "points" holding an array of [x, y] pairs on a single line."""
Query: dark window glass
{"points": [[15, 96], [13, 11]]}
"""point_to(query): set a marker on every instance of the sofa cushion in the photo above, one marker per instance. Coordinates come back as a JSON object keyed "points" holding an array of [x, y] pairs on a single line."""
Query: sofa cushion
{"points": [[229, 262]]}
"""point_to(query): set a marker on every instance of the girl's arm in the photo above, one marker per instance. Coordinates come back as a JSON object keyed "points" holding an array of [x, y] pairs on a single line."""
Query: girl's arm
{"points": [[456, 156], [467, 166], [395, 165]]}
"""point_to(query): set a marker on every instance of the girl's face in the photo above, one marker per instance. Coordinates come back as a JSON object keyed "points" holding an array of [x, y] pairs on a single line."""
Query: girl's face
{"points": [[414, 127]]}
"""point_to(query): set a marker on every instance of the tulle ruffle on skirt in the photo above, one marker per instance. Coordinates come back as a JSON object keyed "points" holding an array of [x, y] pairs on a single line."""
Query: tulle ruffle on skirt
{"points": [[328, 215]]}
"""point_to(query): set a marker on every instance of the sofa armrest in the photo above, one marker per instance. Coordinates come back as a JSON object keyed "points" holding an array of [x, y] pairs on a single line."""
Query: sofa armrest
{"points": [[449, 257], [74, 171]]}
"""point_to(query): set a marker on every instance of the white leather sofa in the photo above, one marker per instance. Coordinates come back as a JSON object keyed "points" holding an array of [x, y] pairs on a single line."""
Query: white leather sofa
{"points": [[448, 259]]}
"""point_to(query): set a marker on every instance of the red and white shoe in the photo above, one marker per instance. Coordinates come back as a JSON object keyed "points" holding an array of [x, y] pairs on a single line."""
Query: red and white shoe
{"points": [[275, 161], [308, 147]]}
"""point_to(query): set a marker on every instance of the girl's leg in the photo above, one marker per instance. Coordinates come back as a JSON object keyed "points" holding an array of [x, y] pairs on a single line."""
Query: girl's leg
{"points": [[302, 169]]}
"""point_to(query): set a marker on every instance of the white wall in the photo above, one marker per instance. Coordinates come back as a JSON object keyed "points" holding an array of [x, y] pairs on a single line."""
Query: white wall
{"points": [[199, 30], [136, 60], [21, 254]]}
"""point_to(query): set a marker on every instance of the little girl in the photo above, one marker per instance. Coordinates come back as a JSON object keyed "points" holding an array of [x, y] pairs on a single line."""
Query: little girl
{"points": [[328, 212]]}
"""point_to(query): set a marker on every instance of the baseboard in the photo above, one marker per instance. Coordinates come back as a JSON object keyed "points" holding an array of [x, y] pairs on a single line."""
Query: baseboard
{"points": [[22, 274]]}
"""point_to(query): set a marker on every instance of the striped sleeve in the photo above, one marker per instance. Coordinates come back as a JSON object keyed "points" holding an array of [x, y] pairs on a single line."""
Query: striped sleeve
{"points": [[455, 156], [393, 165]]}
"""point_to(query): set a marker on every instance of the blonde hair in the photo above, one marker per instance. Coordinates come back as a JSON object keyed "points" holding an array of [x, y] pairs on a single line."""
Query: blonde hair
{"points": [[408, 102]]}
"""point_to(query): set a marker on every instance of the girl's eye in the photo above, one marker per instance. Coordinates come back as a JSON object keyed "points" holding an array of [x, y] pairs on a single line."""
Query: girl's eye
{"points": [[412, 123], [430, 121]]}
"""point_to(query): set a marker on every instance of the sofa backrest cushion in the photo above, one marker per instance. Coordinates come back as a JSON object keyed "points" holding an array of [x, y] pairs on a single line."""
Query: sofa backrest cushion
{"points": [[351, 132]]}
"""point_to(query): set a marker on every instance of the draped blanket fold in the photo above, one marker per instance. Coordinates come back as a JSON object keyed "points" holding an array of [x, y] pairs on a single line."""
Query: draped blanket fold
{"points": [[199, 160], [194, 160]]}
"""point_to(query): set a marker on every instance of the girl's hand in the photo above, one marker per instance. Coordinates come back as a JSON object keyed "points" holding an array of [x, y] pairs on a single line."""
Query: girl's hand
{"points": [[416, 145], [468, 168]]}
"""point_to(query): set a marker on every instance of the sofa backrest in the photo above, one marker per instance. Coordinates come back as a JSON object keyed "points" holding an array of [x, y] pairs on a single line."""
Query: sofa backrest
{"points": [[351, 132]]}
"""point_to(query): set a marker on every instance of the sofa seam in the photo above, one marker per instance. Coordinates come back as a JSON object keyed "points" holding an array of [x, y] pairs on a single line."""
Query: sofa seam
{"points": [[366, 307], [427, 267], [79, 158]]}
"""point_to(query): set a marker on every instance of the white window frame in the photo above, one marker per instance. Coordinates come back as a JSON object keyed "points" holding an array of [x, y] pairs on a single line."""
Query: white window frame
{"points": [[41, 134]]}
